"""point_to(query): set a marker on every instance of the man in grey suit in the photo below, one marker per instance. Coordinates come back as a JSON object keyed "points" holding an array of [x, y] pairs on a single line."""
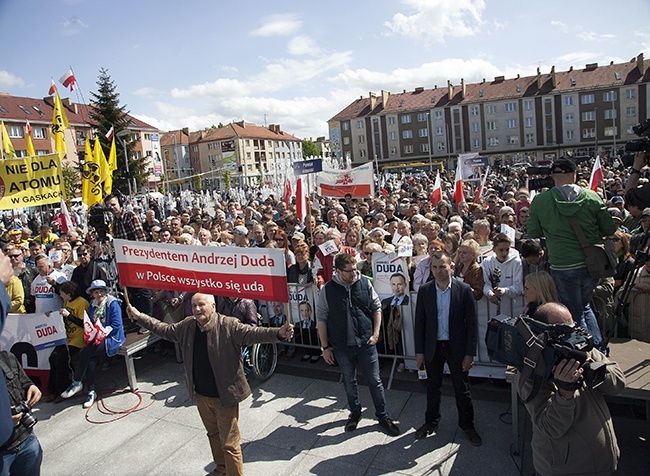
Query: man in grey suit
{"points": [[446, 331]]}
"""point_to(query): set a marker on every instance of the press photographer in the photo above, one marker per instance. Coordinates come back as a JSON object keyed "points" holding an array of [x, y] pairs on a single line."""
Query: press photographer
{"points": [[22, 453], [636, 158], [572, 427]]}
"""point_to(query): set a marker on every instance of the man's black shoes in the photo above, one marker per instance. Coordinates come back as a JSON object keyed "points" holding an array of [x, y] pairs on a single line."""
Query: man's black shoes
{"points": [[388, 425], [425, 430], [353, 421], [473, 437]]}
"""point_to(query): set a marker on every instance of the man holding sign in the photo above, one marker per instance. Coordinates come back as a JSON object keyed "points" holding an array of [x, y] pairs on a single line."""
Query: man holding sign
{"points": [[211, 345]]}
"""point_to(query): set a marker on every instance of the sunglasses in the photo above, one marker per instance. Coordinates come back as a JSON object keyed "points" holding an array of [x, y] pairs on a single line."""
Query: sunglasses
{"points": [[15, 256]]}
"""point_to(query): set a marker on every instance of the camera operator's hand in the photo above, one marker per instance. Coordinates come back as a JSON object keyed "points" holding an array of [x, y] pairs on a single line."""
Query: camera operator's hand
{"points": [[640, 160], [494, 299], [33, 395], [15, 419], [568, 371]]}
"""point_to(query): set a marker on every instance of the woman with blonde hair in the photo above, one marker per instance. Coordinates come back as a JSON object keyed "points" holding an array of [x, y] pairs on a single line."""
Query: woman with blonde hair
{"points": [[539, 288], [468, 269]]}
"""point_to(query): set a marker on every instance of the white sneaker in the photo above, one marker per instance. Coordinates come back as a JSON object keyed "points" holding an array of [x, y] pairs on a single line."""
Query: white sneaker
{"points": [[400, 367], [90, 399], [73, 389]]}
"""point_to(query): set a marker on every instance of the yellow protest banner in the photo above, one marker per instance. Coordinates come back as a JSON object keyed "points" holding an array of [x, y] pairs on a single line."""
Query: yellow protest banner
{"points": [[30, 181]]}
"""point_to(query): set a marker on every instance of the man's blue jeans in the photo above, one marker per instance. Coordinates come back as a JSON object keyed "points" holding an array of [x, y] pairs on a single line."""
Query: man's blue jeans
{"points": [[24, 460], [576, 288], [366, 356]]}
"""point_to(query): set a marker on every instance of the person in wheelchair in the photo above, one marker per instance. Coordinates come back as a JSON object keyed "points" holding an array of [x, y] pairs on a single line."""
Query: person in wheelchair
{"points": [[241, 308]]}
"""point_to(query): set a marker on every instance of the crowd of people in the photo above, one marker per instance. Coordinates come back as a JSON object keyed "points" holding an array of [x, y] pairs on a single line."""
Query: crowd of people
{"points": [[508, 253]]}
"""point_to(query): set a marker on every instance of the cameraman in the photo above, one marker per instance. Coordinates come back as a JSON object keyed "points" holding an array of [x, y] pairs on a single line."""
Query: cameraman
{"points": [[22, 453], [572, 427]]}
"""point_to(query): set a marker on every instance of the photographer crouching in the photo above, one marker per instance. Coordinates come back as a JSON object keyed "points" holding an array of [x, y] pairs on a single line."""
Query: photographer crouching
{"points": [[22, 453], [572, 427]]}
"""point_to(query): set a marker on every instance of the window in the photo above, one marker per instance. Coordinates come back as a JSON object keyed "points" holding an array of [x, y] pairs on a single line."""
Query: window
{"points": [[422, 117], [408, 149], [476, 143], [407, 134], [491, 109], [406, 119], [528, 105], [493, 141], [424, 147], [423, 132], [248, 155], [393, 150], [15, 131], [147, 136], [630, 93], [511, 107], [440, 131], [345, 126], [513, 140], [491, 125], [569, 117], [630, 111], [587, 99], [41, 133], [610, 113], [609, 96], [440, 145], [359, 124], [362, 139], [346, 141], [528, 122], [363, 153], [391, 120], [38, 110], [195, 148], [473, 111], [589, 116], [570, 135], [437, 114], [588, 132], [247, 142], [42, 152], [25, 110], [610, 131], [530, 138], [20, 153], [511, 123], [392, 135], [568, 101], [476, 127]]}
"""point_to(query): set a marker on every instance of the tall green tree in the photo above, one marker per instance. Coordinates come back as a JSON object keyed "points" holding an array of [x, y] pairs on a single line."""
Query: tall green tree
{"points": [[106, 112], [310, 149]]}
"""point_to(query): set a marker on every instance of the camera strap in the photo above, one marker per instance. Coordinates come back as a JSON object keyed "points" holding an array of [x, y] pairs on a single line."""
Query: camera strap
{"points": [[533, 374]]}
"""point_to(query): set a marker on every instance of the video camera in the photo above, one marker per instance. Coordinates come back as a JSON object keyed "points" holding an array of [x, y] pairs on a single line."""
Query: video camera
{"points": [[545, 181], [97, 220], [507, 344], [637, 145]]}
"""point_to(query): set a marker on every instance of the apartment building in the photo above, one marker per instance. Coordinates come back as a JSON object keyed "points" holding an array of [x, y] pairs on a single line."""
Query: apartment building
{"points": [[577, 112], [176, 158]]}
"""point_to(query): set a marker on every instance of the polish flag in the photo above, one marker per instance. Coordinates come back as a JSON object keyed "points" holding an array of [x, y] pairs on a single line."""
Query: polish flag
{"points": [[286, 196], [436, 195], [52, 89], [459, 193], [110, 134], [479, 192], [596, 175], [301, 202], [68, 80], [28, 127], [66, 221]]}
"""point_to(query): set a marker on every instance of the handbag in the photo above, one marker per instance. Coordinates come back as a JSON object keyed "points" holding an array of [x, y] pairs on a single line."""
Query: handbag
{"points": [[600, 258]]}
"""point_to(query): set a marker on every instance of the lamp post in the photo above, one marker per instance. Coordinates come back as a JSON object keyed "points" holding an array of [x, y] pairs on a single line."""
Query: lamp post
{"points": [[122, 137], [613, 122], [429, 128]]}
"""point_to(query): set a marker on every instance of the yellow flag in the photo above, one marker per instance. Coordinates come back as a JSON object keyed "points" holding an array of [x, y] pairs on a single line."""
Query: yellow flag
{"points": [[7, 147], [59, 124], [91, 189], [112, 166], [100, 159], [30, 145]]}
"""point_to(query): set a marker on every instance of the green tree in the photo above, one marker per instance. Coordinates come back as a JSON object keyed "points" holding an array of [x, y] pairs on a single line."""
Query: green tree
{"points": [[105, 112], [226, 178], [310, 149], [71, 180]]}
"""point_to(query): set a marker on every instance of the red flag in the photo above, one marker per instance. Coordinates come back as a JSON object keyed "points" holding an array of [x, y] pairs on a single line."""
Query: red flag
{"points": [[110, 134], [596, 175], [436, 195], [459, 193], [479, 192], [286, 196], [301, 202], [68, 80], [52, 89]]}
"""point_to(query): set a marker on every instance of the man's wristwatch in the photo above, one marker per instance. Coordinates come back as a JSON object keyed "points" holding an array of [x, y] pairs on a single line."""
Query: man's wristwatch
{"points": [[634, 171], [323, 349]]}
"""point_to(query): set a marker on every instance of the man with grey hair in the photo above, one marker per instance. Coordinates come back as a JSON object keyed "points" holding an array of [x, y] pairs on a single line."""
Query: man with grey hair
{"points": [[44, 286]]}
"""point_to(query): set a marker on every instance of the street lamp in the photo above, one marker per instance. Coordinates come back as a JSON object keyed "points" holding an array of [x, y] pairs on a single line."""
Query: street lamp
{"points": [[429, 128], [122, 137], [613, 122]]}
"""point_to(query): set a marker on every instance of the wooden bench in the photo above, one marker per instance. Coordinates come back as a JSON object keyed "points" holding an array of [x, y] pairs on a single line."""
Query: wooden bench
{"points": [[135, 343]]}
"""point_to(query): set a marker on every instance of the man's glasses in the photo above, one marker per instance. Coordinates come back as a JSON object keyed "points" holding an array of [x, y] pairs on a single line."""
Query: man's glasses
{"points": [[84, 254], [15, 256], [346, 270]]}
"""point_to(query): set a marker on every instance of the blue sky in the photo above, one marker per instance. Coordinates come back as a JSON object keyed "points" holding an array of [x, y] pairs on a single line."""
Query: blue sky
{"points": [[198, 62]]}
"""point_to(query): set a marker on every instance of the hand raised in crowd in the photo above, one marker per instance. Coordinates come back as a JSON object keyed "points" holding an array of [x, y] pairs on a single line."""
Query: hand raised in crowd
{"points": [[286, 331], [6, 270], [132, 312]]}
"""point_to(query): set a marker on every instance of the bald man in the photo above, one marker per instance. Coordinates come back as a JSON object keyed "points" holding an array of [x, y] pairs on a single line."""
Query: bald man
{"points": [[211, 345]]}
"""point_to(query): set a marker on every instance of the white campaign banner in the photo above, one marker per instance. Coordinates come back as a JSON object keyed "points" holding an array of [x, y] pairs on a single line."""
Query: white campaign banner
{"points": [[359, 182], [31, 337]]}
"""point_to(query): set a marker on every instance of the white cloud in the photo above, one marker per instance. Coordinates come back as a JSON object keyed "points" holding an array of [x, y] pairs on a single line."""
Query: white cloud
{"points": [[278, 25], [229, 69], [8, 80], [303, 45], [581, 33], [146, 92], [437, 19], [72, 26]]}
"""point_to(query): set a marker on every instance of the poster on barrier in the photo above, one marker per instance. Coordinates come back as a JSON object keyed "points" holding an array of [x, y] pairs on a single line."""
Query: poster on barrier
{"points": [[31, 338]]}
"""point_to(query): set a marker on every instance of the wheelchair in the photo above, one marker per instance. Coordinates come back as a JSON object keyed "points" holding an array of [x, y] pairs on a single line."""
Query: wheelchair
{"points": [[260, 360]]}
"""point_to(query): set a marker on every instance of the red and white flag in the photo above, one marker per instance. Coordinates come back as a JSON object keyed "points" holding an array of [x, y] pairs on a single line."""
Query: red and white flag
{"points": [[68, 80], [596, 175], [110, 134], [52, 89], [301, 201], [358, 182], [479, 192], [436, 195], [459, 191], [286, 196], [28, 127], [66, 220]]}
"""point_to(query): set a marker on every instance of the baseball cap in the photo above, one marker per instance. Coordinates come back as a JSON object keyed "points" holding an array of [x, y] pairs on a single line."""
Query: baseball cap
{"points": [[563, 166], [616, 199], [646, 212], [298, 236], [241, 230]]}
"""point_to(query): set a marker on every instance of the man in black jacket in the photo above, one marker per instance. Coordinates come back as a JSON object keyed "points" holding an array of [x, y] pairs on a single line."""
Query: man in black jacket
{"points": [[446, 331]]}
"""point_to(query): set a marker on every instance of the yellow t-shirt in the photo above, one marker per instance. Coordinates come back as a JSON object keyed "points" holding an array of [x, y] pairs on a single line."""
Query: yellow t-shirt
{"points": [[75, 334]]}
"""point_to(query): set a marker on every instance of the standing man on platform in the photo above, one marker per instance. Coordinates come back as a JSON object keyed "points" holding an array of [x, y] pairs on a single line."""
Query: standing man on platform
{"points": [[446, 331]]}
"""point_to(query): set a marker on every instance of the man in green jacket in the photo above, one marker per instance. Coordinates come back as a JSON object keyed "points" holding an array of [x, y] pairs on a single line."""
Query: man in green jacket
{"points": [[211, 344]]}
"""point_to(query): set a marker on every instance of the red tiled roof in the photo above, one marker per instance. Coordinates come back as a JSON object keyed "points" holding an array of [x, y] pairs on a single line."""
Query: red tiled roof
{"points": [[244, 130]]}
